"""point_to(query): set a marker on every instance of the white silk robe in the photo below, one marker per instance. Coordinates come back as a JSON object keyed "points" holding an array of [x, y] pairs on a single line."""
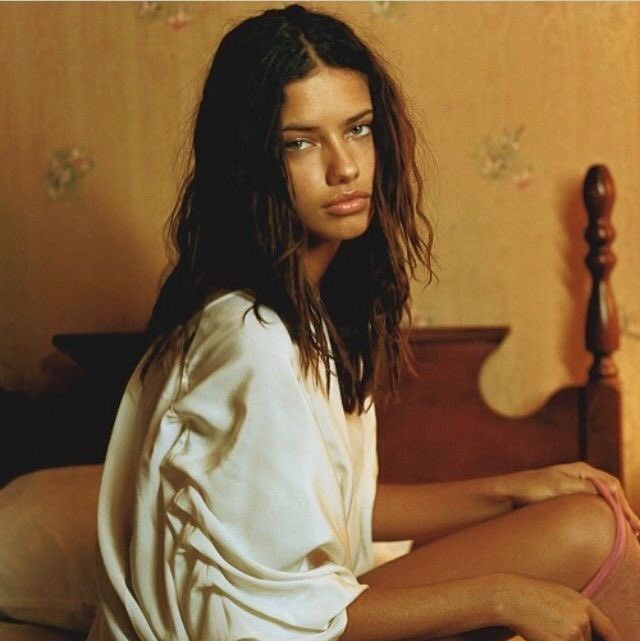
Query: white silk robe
{"points": [[236, 499]]}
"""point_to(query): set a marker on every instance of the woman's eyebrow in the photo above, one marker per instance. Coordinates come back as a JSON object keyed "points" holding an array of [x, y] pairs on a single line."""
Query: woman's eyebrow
{"points": [[301, 127]]}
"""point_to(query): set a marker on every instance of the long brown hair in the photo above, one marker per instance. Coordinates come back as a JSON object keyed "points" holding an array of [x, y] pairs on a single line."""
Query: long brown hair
{"points": [[234, 225]]}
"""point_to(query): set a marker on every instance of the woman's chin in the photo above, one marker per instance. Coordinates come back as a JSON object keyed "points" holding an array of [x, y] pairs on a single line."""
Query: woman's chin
{"points": [[353, 226]]}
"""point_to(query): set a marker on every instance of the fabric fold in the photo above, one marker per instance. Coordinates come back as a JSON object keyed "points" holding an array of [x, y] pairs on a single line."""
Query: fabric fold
{"points": [[251, 503]]}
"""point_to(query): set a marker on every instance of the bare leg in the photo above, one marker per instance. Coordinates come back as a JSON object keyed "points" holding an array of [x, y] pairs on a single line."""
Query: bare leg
{"points": [[565, 539]]}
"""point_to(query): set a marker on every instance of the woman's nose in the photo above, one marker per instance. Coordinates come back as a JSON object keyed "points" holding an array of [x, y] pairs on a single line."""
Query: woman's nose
{"points": [[342, 166]]}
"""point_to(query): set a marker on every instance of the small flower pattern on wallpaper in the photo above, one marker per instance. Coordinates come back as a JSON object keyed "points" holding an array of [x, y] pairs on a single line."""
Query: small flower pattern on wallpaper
{"points": [[388, 9], [502, 160], [66, 168], [149, 9], [381, 7], [177, 19]]}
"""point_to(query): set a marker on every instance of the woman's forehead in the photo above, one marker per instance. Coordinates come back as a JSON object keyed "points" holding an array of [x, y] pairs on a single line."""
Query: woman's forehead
{"points": [[326, 94]]}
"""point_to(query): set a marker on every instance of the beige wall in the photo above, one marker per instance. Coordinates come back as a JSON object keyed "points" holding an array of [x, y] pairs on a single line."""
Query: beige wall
{"points": [[121, 84]]}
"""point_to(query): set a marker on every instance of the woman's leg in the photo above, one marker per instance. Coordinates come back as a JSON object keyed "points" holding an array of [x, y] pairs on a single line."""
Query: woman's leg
{"points": [[615, 588], [564, 539]]}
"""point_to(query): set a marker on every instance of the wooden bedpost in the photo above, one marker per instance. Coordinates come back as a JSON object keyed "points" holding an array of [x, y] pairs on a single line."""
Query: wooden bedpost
{"points": [[600, 402]]}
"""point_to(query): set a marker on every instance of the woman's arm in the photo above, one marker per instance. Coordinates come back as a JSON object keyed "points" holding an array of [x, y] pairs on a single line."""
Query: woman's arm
{"points": [[537, 610], [426, 612], [427, 511]]}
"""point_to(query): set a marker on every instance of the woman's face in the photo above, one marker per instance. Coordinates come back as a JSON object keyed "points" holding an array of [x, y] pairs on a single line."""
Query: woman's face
{"points": [[329, 151]]}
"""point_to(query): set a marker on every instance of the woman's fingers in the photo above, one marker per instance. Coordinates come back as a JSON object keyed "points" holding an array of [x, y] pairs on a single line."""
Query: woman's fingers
{"points": [[632, 517], [602, 625], [615, 487], [583, 472]]}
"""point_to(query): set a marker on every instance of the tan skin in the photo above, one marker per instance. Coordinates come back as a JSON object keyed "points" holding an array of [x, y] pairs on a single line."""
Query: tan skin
{"points": [[509, 553], [329, 152]]}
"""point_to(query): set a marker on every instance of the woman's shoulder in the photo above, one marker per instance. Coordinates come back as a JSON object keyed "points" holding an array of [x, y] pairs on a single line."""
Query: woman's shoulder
{"points": [[229, 327]]}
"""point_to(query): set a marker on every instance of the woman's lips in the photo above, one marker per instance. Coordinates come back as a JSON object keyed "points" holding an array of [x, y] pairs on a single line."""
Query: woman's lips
{"points": [[350, 206]]}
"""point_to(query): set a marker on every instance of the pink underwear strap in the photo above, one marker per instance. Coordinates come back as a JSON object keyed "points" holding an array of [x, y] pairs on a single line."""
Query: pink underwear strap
{"points": [[618, 544]]}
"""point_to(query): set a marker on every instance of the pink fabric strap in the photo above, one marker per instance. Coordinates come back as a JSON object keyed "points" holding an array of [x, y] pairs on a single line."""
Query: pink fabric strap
{"points": [[618, 544]]}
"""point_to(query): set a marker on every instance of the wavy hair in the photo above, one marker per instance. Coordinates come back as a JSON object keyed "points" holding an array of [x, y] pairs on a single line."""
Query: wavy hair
{"points": [[234, 225]]}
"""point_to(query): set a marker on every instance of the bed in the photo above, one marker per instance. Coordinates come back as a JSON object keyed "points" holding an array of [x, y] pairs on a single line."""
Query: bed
{"points": [[439, 428]]}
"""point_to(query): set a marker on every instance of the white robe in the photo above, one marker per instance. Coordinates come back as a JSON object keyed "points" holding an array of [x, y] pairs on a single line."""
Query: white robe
{"points": [[236, 499]]}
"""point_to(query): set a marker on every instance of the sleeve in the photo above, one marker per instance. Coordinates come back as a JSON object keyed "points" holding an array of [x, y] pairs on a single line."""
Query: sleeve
{"points": [[257, 515]]}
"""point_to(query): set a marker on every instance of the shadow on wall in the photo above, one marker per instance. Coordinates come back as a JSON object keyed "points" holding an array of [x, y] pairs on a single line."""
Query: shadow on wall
{"points": [[107, 276]]}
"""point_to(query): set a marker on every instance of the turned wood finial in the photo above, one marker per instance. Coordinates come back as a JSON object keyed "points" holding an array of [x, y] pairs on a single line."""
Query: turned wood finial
{"points": [[602, 332]]}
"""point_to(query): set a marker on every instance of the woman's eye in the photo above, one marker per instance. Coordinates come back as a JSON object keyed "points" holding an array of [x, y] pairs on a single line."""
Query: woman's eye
{"points": [[296, 145], [361, 130]]}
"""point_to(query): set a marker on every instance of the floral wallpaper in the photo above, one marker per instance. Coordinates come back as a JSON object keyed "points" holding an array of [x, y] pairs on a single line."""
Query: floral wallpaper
{"points": [[513, 100], [175, 15], [502, 159], [66, 169]]}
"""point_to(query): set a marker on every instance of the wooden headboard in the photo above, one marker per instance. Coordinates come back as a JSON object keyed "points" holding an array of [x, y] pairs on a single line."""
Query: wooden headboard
{"points": [[441, 429], [438, 429]]}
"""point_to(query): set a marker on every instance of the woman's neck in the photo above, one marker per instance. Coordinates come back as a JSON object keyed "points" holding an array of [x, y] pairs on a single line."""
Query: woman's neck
{"points": [[318, 258]]}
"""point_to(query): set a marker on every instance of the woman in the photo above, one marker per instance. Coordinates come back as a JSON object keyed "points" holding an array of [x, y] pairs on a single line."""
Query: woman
{"points": [[239, 498]]}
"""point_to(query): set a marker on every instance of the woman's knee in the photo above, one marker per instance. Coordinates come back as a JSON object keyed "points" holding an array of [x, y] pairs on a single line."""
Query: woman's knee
{"points": [[583, 528]]}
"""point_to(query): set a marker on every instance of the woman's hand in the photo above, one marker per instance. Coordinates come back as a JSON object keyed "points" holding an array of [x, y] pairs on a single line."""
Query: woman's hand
{"points": [[545, 611], [543, 483]]}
